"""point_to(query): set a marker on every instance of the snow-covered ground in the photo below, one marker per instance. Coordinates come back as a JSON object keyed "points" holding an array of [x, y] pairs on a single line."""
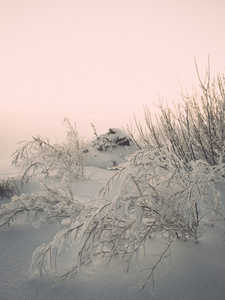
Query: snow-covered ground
{"points": [[193, 271]]}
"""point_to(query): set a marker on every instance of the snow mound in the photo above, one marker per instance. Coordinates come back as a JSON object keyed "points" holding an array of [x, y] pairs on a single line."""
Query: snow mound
{"points": [[117, 137], [110, 149]]}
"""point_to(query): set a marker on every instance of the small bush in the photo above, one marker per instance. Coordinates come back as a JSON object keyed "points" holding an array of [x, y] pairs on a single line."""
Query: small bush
{"points": [[8, 188], [48, 205], [39, 156]]}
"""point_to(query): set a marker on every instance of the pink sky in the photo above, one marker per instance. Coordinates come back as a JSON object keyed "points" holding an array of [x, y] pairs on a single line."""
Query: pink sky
{"points": [[99, 61]]}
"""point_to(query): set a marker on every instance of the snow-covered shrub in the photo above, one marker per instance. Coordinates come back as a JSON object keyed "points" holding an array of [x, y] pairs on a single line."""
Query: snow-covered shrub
{"points": [[39, 156], [55, 199], [154, 195], [49, 204], [193, 130]]}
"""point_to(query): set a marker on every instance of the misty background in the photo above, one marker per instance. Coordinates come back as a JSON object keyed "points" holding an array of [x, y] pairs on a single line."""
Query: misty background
{"points": [[99, 61]]}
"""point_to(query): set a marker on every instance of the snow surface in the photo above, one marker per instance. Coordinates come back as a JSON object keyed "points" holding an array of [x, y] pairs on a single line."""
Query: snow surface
{"points": [[194, 271]]}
